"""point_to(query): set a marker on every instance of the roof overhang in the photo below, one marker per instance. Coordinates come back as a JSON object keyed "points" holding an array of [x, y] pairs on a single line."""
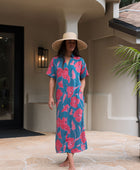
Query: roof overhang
{"points": [[125, 27], [52, 9]]}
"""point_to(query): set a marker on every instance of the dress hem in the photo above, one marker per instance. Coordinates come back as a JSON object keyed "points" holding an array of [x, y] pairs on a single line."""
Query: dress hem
{"points": [[71, 152]]}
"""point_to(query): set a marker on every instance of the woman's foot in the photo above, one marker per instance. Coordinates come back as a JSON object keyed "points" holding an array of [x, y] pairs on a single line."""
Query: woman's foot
{"points": [[65, 163], [71, 161], [71, 167]]}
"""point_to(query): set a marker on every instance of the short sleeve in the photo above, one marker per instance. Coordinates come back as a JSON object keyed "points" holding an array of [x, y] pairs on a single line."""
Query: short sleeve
{"points": [[84, 71], [51, 69]]}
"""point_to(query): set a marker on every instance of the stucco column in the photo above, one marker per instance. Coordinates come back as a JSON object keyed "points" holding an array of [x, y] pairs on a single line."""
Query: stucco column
{"points": [[68, 22], [71, 20]]}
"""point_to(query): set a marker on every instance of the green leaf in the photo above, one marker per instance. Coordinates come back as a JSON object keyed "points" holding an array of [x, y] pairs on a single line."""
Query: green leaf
{"points": [[129, 64]]}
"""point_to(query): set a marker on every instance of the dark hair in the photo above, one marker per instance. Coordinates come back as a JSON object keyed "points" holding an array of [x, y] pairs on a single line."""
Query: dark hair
{"points": [[62, 50]]}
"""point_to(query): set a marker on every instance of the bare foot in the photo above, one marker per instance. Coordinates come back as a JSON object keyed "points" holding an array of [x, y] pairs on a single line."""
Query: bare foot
{"points": [[71, 167], [65, 163], [71, 161]]}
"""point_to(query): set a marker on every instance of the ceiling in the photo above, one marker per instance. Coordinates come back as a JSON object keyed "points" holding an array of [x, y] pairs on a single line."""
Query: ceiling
{"points": [[52, 9]]}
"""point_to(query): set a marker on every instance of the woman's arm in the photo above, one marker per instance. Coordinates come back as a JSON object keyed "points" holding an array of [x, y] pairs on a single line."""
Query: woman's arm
{"points": [[83, 83], [51, 92]]}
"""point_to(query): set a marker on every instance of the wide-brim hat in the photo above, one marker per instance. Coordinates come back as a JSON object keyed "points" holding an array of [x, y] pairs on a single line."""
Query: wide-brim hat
{"points": [[69, 36]]}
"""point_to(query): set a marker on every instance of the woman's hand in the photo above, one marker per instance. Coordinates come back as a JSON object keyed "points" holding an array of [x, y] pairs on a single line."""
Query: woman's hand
{"points": [[82, 90], [51, 102], [51, 92], [82, 85]]}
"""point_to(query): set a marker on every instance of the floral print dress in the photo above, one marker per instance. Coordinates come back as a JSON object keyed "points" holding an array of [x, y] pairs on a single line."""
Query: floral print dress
{"points": [[70, 131]]}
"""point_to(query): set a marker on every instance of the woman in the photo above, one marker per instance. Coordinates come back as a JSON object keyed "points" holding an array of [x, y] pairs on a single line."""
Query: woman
{"points": [[67, 71]]}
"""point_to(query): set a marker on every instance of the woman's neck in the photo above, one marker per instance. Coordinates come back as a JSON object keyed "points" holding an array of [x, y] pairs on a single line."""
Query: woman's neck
{"points": [[68, 54]]}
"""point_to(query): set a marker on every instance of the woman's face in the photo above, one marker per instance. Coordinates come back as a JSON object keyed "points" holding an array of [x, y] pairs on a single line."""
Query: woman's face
{"points": [[70, 45]]}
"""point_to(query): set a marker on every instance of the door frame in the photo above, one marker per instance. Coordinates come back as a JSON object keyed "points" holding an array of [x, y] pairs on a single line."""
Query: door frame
{"points": [[17, 122]]}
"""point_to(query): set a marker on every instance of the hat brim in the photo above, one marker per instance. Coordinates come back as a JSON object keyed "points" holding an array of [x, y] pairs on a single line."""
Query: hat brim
{"points": [[80, 44]]}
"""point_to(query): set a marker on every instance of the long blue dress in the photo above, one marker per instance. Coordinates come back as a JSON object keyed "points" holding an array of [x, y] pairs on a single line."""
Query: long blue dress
{"points": [[70, 131]]}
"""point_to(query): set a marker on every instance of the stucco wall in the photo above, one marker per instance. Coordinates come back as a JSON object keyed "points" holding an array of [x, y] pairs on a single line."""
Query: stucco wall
{"points": [[111, 105], [114, 105]]}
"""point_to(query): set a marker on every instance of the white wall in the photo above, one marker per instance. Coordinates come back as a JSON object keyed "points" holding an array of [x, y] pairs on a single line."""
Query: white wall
{"points": [[36, 81], [114, 105], [111, 105]]}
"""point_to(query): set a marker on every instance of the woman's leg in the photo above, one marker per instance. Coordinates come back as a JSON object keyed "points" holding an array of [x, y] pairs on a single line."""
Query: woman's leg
{"points": [[66, 162], [71, 161]]}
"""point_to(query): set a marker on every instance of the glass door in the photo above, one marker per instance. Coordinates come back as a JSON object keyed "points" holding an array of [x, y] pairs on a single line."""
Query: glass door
{"points": [[6, 76], [11, 76]]}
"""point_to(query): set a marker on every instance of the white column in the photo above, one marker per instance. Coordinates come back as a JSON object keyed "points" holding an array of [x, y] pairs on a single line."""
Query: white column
{"points": [[68, 21], [71, 20]]}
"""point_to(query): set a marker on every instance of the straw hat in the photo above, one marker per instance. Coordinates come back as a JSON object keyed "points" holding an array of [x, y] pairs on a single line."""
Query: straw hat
{"points": [[69, 36]]}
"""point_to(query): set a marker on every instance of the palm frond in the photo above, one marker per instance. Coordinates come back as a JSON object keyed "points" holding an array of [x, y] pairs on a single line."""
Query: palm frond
{"points": [[129, 64], [136, 87], [121, 51], [122, 67]]}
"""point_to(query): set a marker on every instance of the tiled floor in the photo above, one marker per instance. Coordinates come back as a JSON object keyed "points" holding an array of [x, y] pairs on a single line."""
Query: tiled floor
{"points": [[106, 151]]}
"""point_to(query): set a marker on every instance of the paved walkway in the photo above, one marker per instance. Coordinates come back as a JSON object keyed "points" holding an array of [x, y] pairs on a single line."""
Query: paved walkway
{"points": [[106, 151]]}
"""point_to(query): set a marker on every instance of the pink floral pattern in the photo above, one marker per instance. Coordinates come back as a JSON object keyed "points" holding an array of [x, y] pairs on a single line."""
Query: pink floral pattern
{"points": [[78, 114], [58, 94], [78, 66], [70, 90], [70, 131], [74, 101], [60, 84]]}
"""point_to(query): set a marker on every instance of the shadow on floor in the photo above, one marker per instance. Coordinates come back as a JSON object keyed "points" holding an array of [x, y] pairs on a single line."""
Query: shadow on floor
{"points": [[12, 133]]}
